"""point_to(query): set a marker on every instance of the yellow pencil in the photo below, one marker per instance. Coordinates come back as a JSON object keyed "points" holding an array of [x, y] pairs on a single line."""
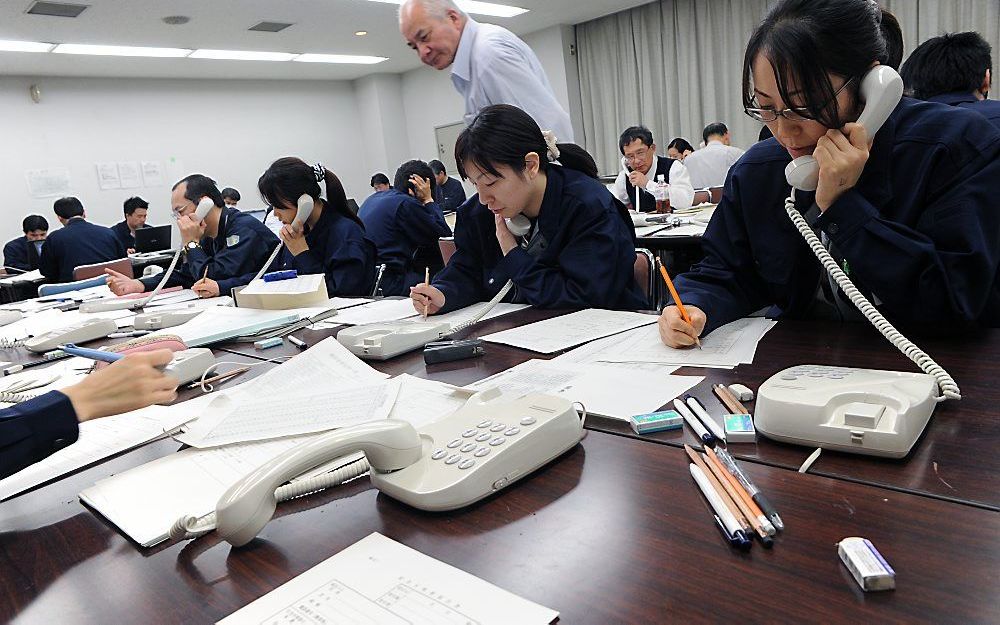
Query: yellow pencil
{"points": [[677, 298]]}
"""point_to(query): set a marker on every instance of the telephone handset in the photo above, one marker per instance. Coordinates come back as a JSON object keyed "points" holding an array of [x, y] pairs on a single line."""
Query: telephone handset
{"points": [[865, 411], [519, 225], [479, 449], [881, 90], [204, 207]]}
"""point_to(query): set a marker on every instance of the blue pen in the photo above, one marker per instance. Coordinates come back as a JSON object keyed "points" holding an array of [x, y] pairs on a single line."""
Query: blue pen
{"points": [[93, 354], [287, 274]]}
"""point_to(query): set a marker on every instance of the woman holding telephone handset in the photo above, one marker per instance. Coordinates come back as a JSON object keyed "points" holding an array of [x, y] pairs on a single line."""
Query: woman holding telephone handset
{"points": [[540, 219], [906, 208]]}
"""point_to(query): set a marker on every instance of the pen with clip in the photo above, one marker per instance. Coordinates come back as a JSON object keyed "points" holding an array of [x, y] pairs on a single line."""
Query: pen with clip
{"points": [[730, 463], [699, 409], [706, 437], [737, 537]]}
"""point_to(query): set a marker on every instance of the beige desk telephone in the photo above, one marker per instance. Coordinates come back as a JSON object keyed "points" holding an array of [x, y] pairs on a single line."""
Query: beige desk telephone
{"points": [[478, 450], [863, 411]]}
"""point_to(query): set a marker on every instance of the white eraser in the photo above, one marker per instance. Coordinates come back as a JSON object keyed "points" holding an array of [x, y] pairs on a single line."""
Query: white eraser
{"points": [[742, 393], [866, 564]]}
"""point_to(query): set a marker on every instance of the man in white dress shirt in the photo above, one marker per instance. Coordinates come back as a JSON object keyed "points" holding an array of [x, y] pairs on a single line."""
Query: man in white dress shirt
{"points": [[641, 166], [710, 165], [489, 64]]}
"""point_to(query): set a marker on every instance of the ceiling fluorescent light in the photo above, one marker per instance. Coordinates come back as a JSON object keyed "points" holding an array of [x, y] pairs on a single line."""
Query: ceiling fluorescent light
{"points": [[241, 55], [339, 58], [76, 48], [478, 8], [24, 46]]}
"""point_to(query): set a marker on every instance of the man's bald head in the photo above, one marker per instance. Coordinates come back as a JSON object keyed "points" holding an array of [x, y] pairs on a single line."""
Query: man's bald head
{"points": [[433, 28]]}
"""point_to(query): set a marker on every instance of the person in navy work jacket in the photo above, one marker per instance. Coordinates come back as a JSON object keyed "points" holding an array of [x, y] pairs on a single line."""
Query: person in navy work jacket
{"points": [[332, 242], [39, 427], [23, 252], [913, 219], [223, 251], [449, 193], [405, 223], [135, 209], [579, 251], [953, 69], [77, 243]]}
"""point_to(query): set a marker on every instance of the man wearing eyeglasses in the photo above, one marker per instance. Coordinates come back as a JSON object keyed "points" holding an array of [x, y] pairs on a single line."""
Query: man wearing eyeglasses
{"points": [[640, 169], [222, 251]]}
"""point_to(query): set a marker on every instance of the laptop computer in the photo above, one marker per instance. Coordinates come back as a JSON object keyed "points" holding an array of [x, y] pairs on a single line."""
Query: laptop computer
{"points": [[152, 239]]}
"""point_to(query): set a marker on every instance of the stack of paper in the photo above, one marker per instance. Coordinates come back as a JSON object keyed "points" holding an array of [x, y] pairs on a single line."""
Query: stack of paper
{"points": [[98, 439], [222, 323], [615, 393], [378, 311], [378, 580], [559, 333], [732, 344]]}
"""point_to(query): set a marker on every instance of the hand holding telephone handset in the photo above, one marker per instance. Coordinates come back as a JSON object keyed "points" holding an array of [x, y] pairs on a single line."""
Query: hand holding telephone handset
{"points": [[854, 410], [201, 211], [303, 209], [500, 441]]}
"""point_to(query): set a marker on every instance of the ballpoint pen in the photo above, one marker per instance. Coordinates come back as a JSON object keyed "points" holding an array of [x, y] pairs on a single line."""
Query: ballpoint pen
{"points": [[706, 437], [699, 409], [758, 497], [92, 354]]}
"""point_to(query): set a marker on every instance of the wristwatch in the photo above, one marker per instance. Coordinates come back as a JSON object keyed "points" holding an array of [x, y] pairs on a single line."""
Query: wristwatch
{"points": [[191, 245]]}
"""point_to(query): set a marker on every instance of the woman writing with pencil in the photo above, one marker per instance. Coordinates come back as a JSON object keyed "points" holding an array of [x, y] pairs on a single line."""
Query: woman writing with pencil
{"points": [[575, 247], [909, 212]]}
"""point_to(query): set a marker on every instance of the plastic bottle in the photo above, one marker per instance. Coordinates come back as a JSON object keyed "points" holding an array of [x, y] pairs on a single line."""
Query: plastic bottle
{"points": [[662, 195]]}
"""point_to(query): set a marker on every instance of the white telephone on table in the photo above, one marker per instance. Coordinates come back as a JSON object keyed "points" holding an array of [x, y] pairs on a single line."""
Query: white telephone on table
{"points": [[201, 211], [476, 451], [862, 411]]}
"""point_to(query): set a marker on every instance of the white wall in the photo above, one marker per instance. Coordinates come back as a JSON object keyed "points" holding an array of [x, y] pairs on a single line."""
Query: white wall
{"points": [[229, 130]]}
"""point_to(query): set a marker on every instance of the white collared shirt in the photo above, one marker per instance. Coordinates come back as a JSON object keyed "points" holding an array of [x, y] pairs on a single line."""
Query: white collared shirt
{"points": [[680, 191], [493, 66], [710, 165]]}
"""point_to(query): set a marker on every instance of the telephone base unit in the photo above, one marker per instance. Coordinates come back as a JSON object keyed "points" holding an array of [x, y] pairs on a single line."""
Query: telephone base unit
{"points": [[862, 411], [382, 341]]}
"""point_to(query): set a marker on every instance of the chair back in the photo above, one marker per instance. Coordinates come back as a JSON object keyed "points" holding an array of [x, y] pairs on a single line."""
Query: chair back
{"points": [[122, 266], [447, 247], [46, 290], [645, 277], [716, 194], [701, 196]]}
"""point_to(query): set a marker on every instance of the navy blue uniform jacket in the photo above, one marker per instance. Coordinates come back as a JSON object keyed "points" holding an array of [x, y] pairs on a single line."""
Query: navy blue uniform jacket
{"points": [[398, 224], [125, 235], [990, 109], [35, 429], [587, 263], [232, 258], [339, 249], [450, 195], [20, 253], [77, 243], [920, 230]]}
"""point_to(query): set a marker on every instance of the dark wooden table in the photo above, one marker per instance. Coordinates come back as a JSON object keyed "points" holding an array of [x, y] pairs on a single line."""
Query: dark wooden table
{"points": [[612, 532], [955, 459]]}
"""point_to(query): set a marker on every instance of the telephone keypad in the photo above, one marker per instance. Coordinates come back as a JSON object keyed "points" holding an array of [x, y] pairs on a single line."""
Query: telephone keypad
{"points": [[466, 448], [512, 431], [482, 451], [485, 424], [469, 433], [528, 421], [483, 437], [816, 371], [455, 443], [452, 459], [467, 463], [497, 441], [491, 434], [499, 427], [437, 455]]}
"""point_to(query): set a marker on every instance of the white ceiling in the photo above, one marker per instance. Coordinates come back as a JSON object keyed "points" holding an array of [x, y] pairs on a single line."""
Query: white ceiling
{"points": [[321, 26]]}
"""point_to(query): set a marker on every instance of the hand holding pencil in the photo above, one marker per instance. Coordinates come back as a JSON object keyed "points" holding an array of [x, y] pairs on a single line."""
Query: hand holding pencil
{"points": [[679, 325]]}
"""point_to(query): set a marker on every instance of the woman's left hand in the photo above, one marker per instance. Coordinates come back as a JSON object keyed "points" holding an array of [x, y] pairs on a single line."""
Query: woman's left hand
{"points": [[507, 240], [294, 238], [841, 157]]}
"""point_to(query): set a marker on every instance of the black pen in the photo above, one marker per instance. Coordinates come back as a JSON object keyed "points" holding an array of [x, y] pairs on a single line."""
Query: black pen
{"points": [[758, 497]]}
